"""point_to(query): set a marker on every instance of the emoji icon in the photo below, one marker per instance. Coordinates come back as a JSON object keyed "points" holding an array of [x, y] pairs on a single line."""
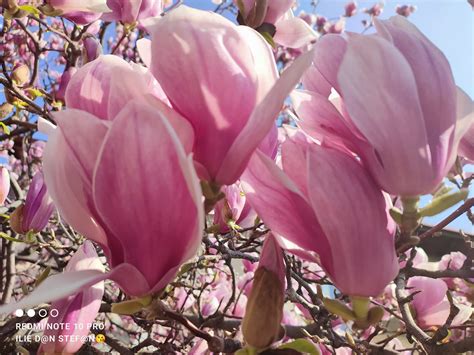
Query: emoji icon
{"points": [[100, 338]]}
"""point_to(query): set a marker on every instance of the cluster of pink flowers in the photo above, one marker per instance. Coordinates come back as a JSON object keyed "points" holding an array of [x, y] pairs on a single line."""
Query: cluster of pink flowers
{"points": [[141, 154]]}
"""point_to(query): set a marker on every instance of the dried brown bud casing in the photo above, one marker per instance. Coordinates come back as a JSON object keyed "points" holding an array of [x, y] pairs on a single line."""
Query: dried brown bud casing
{"points": [[5, 109], [16, 220], [21, 75], [264, 311]]}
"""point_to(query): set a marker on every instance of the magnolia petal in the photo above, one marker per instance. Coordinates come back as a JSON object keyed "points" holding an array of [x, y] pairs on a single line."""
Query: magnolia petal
{"points": [[104, 86], [273, 195], [319, 118], [218, 97], [144, 49], [363, 259], [294, 33], [329, 52], [430, 292], [56, 287], [465, 125], [261, 121], [65, 177], [157, 196], [435, 86], [393, 123]]}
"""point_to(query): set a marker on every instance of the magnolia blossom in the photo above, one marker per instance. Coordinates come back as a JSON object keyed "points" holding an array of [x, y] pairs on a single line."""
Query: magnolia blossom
{"points": [[129, 11], [430, 303], [304, 202], [234, 208], [34, 214], [101, 195], [397, 104], [290, 31], [230, 93], [79, 310]]}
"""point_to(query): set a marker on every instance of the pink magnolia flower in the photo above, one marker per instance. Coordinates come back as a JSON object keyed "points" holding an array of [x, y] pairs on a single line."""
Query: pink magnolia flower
{"points": [[4, 184], [92, 49], [274, 11], [77, 312], [104, 198], [407, 133], [230, 93], [34, 214], [431, 305], [129, 11], [304, 201], [229, 209], [290, 31]]}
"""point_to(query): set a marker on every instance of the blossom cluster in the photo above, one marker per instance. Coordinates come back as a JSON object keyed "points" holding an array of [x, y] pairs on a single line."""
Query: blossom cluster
{"points": [[203, 184]]}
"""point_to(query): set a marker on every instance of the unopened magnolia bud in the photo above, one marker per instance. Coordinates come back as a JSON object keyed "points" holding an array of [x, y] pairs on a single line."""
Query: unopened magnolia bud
{"points": [[5, 109], [257, 14], [264, 311], [350, 9], [21, 74]]}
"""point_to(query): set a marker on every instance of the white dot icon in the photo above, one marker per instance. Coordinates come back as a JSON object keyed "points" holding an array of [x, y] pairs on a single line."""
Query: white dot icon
{"points": [[30, 312], [19, 313], [53, 312]]}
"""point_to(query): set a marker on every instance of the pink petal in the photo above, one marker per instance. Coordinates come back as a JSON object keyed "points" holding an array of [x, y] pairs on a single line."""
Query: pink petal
{"points": [[294, 162], [57, 287], [79, 309], [156, 181], [180, 125], [261, 121], [67, 169], [104, 86], [277, 9], [465, 125], [273, 195], [432, 292], [435, 86], [328, 54], [144, 49], [321, 119], [217, 95], [372, 67], [294, 33], [363, 259]]}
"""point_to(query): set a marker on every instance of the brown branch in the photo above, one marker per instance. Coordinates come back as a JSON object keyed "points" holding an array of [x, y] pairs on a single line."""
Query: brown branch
{"points": [[460, 211]]}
